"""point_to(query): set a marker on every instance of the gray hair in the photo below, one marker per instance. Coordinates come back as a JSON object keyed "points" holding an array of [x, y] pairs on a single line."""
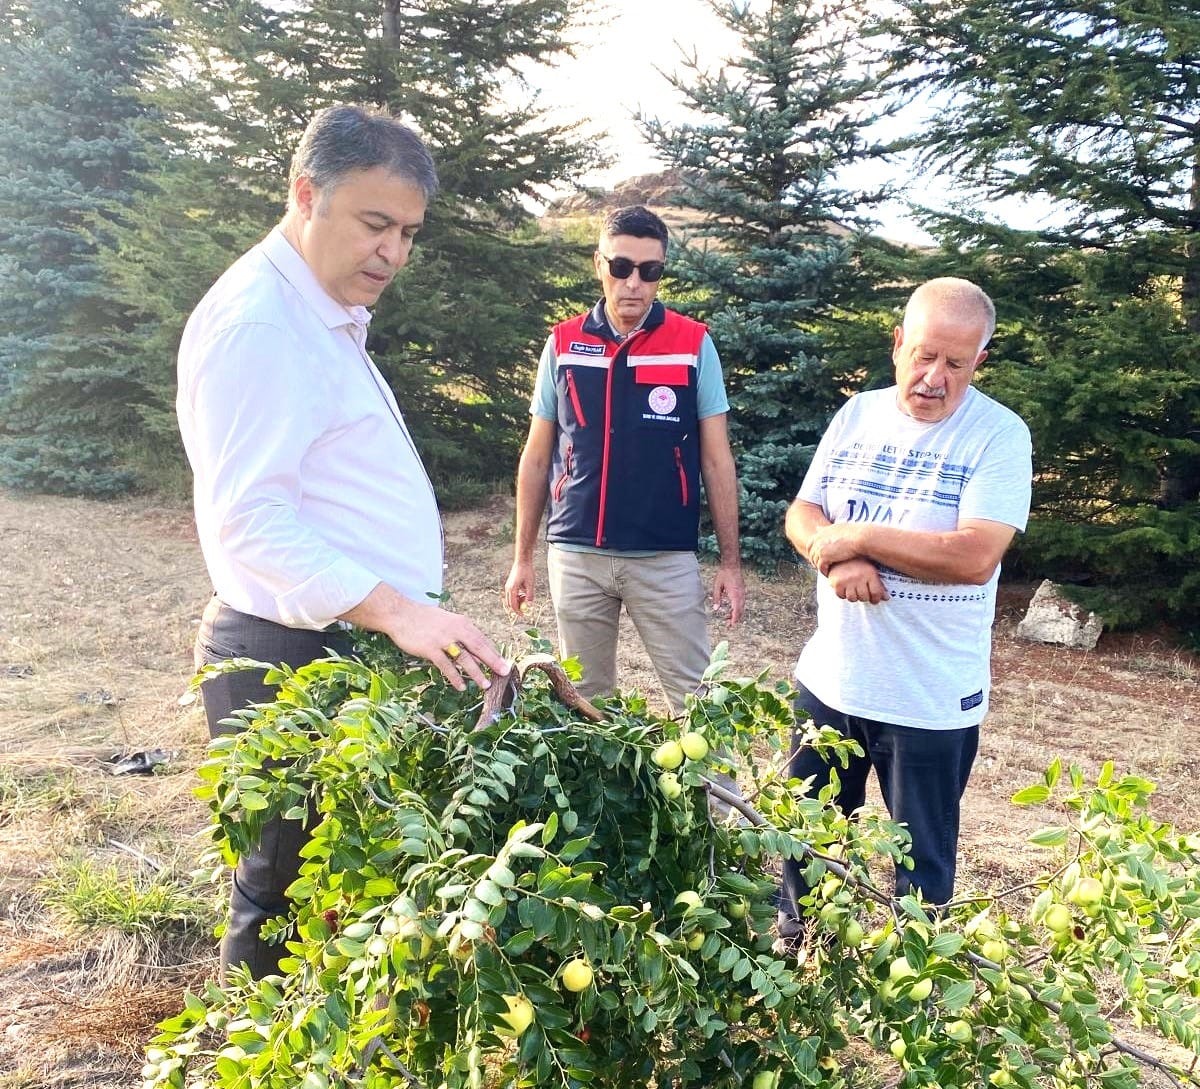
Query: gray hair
{"points": [[342, 139], [961, 299]]}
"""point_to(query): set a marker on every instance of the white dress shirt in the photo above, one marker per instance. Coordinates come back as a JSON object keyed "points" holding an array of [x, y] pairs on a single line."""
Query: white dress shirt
{"points": [[308, 489]]}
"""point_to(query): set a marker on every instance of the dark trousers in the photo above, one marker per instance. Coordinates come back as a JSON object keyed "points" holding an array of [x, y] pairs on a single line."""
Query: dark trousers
{"points": [[262, 875], [922, 775]]}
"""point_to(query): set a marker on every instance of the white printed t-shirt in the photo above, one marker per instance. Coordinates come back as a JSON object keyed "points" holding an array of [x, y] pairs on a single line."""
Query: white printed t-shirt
{"points": [[921, 658]]}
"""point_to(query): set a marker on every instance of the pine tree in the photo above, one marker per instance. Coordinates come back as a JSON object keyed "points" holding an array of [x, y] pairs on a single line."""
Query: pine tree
{"points": [[775, 249], [70, 149], [1095, 106], [459, 334]]}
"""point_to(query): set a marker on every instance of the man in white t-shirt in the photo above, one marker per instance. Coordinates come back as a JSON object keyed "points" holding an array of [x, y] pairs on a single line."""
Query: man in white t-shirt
{"points": [[312, 506], [913, 496]]}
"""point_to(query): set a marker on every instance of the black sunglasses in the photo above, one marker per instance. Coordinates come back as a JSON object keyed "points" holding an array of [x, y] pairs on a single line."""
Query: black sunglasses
{"points": [[622, 268]]}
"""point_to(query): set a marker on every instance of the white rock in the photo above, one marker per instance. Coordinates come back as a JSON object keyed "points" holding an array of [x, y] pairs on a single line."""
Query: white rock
{"points": [[1051, 618]]}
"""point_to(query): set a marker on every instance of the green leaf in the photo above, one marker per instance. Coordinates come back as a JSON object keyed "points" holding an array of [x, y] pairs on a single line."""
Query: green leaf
{"points": [[489, 893], [1049, 837], [957, 996], [519, 943], [1037, 794], [946, 945]]}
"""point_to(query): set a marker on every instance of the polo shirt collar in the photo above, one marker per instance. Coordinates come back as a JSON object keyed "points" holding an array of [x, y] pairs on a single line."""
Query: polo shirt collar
{"points": [[293, 268], [597, 323]]}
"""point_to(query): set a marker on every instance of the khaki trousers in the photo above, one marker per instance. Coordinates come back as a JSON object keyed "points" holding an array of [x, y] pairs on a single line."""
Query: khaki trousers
{"points": [[664, 597]]}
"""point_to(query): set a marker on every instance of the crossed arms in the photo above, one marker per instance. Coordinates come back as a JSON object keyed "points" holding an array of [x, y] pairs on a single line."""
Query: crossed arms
{"points": [[849, 554]]}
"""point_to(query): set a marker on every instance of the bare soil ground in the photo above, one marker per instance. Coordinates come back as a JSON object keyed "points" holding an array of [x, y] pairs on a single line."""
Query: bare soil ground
{"points": [[98, 606]]}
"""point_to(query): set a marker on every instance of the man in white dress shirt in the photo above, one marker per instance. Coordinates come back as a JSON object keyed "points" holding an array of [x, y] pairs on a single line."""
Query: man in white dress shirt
{"points": [[312, 505]]}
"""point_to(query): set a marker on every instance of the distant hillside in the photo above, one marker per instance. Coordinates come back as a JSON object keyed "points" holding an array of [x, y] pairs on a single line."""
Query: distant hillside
{"points": [[653, 190]]}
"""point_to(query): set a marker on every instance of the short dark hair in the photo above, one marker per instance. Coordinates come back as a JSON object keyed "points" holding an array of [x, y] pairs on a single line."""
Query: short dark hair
{"points": [[342, 139], [637, 221]]}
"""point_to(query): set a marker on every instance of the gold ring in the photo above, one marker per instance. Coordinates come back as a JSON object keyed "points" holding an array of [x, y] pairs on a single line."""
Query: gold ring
{"points": [[452, 651]]}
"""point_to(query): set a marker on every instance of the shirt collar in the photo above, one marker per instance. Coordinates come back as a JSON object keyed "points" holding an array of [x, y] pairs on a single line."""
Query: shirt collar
{"points": [[293, 268], [597, 322]]}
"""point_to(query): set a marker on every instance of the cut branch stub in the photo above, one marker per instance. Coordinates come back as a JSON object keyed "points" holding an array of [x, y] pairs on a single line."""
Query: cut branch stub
{"points": [[504, 690]]}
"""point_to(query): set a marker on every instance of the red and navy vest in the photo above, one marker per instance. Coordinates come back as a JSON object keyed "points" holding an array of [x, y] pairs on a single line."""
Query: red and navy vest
{"points": [[626, 471]]}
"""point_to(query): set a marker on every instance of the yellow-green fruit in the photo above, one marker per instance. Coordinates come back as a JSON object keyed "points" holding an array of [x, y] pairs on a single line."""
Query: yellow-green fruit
{"points": [[519, 1015], [1000, 1078], [1058, 918], [577, 975], [830, 887], [460, 948], [900, 969], [994, 950], [960, 1031], [694, 745], [830, 913], [669, 785], [688, 899], [898, 1048], [766, 1079], [1087, 892], [736, 909], [696, 940], [921, 990], [853, 934], [668, 755]]}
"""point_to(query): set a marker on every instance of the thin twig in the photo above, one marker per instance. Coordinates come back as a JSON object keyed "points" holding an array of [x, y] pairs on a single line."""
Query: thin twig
{"points": [[136, 854], [391, 1055]]}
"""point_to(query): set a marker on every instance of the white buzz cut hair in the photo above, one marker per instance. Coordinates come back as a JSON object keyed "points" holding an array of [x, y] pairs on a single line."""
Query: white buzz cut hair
{"points": [[959, 299]]}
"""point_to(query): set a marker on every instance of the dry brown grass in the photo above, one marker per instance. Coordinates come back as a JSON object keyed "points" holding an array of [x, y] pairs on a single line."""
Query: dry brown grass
{"points": [[98, 606]]}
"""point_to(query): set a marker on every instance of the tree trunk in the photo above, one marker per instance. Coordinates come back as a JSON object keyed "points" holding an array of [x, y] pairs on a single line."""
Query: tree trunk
{"points": [[391, 22], [1181, 473]]}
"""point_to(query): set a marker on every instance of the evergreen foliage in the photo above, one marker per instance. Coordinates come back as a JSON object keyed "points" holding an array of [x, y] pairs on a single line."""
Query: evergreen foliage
{"points": [[774, 251], [173, 243], [1095, 107], [459, 334], [70, 150]]}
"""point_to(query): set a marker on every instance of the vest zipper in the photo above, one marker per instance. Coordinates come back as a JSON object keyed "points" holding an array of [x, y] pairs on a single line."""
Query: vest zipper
{"points": [[683, 483], [618, 358], [561, 483], [576, 404]]}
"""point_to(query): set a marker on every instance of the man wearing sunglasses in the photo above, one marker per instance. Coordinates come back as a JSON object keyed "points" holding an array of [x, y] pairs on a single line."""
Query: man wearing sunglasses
{"points": [[628, 416]]}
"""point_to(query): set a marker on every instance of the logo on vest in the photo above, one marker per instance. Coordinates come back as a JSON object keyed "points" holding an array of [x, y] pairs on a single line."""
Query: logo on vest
{"points": [[662, 400], [579, 347]]}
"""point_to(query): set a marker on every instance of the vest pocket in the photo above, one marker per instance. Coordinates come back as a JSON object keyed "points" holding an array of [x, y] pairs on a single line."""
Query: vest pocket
{"points": [[561, 483], [683, 480], [576, 403]]}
